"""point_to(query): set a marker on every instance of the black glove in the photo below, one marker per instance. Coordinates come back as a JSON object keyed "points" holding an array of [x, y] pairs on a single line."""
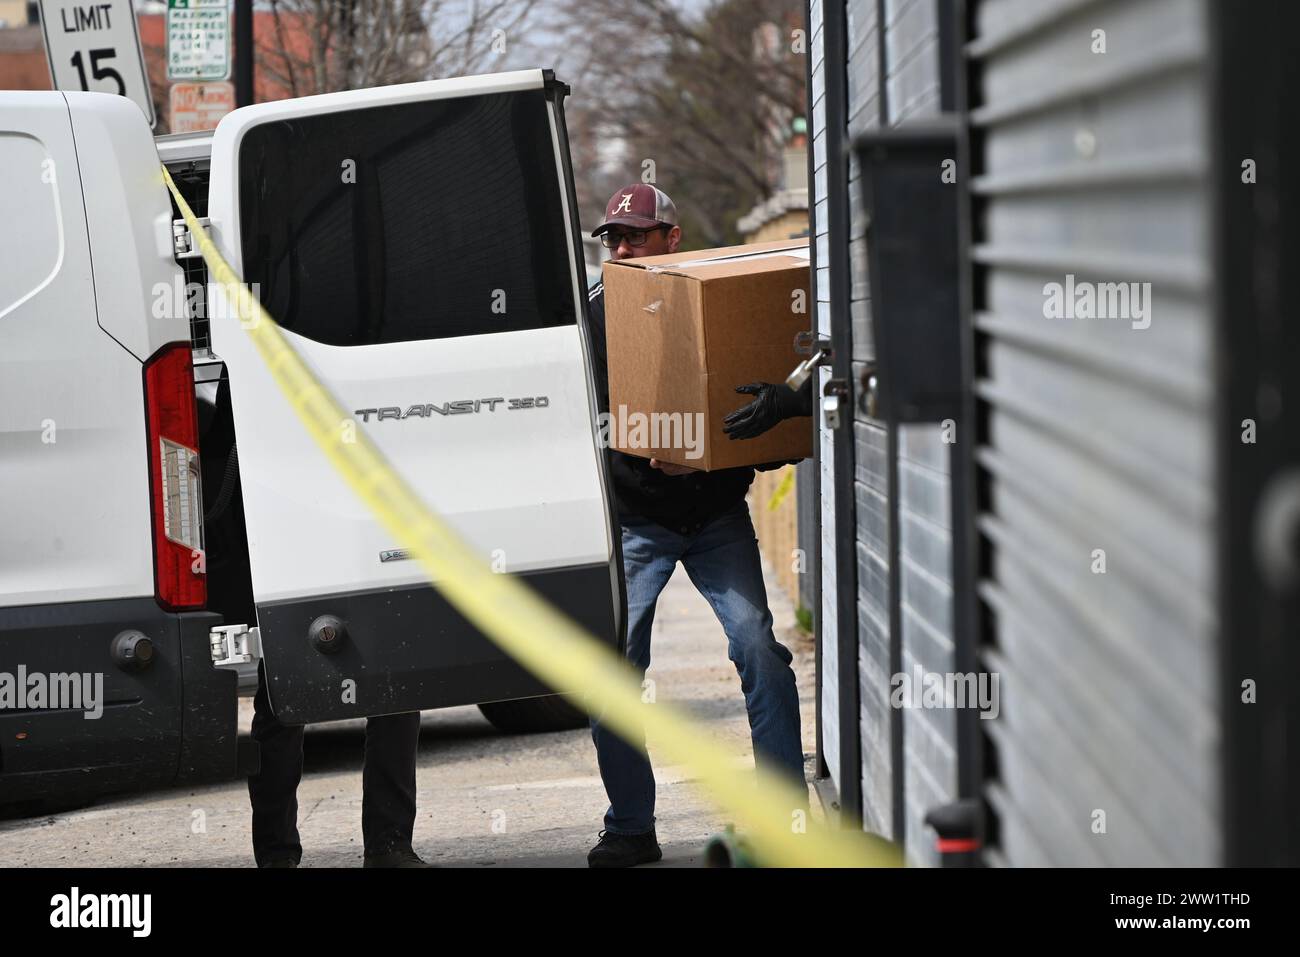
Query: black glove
{"points": [[772, 404]]}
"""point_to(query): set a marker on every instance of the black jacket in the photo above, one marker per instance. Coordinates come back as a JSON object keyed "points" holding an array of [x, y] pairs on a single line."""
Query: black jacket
{"points": [[682, 503]]}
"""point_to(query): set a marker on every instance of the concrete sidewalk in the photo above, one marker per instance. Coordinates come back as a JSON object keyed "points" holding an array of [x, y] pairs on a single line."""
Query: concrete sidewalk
{"points": [[485, 799]]}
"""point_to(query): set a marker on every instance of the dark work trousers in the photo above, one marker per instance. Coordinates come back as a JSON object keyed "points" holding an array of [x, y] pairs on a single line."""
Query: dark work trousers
{"points": [[387, 783]]}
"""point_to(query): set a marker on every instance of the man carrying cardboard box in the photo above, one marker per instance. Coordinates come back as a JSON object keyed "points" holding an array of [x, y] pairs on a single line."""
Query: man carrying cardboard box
{"points": [[673, 513]]}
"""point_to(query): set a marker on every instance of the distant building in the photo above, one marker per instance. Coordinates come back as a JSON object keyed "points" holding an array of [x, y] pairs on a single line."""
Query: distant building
{"points": [[784, 215], [22, 59], [18, 13]]}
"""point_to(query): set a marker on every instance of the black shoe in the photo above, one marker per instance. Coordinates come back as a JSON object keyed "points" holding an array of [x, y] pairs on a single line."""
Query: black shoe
{"points": [[625, 850], [281, 862], [403, 857]]}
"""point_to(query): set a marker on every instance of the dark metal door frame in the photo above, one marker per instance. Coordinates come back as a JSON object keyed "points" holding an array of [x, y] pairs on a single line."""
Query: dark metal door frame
{"points": [[898, 806], [835, 70], [1257, 239], [965, 497], [822, 772]]}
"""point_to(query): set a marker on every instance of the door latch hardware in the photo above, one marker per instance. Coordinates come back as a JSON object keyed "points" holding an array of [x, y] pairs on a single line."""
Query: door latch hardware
{"points": [[835, 398]]}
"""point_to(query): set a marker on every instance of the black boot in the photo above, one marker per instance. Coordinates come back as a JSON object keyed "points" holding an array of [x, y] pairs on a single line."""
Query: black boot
{"points": [[403, 857], [625, 850]]}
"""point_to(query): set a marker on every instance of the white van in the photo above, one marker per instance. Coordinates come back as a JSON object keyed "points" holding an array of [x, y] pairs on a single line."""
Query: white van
{"points": [[165, 520]]}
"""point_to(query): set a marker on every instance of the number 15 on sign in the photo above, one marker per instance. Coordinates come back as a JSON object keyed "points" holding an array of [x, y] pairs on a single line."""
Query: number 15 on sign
{"points": [[94, 46]]}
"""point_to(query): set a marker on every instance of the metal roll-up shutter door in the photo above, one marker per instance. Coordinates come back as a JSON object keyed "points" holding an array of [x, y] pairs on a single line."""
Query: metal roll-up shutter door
{"points": [[871, 460], [1097, 439]]}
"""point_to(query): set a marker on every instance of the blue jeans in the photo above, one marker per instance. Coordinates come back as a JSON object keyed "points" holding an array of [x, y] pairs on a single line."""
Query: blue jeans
{"points": [[722, 562]]}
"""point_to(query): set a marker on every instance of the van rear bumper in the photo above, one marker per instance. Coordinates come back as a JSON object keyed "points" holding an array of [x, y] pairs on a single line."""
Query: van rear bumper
{"points": [[173, 720], [408, 649]]}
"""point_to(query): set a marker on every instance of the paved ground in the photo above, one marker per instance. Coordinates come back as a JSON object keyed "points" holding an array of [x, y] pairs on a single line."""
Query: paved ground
{"points": [[485, 799]]}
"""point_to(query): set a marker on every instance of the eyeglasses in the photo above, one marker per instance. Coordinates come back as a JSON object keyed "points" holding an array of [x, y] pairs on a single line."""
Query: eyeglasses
{"points": [[633, 238]]}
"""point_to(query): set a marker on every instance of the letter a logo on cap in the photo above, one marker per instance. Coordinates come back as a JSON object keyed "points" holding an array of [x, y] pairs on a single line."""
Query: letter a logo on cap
{"points": [[638, 206]]}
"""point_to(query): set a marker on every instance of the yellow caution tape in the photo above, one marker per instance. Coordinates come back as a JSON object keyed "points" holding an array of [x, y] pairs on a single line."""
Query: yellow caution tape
{"points": [[543, 640], [782, 491]]}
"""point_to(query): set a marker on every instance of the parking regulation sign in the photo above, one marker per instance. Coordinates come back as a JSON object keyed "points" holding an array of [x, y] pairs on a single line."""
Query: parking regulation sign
{"points": [[198, 106], [198, 39], [95, 46]]}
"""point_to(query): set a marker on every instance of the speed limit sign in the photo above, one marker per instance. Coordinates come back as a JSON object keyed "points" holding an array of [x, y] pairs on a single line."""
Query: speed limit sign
{"points": [[95, 45]]}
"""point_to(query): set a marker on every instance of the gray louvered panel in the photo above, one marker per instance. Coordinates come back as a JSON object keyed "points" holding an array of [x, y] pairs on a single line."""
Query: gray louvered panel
{"points": [[1053, 67], [871, 464], [863, 83], [873, 600], [1126, 604], [1036, 801], [829, 678], [877, 779], [1016, 841], [927, 613], [1161, 449], [860, 292], [931, 763], [926, 623], [1106, 816], [925, 585], [924, 445], [816, 51], [1102, 704], [873, 518], [871, 472], [864, 343], [1098, 434], [1042, 152], [912, 57], [1114, 663], [859, 282], [924, 492], [927, 545], [1153, 237]]}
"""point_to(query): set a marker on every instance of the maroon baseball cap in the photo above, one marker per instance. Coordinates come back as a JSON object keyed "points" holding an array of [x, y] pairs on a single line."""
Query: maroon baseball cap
{"points": [[639, 206]]}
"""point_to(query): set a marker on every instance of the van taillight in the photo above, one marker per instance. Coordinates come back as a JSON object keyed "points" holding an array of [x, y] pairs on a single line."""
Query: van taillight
{"points": [[175, 480]]}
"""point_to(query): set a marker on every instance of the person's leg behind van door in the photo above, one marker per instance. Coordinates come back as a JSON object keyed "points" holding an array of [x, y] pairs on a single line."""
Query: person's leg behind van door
{"points": [[388, 782], [273, 790]]}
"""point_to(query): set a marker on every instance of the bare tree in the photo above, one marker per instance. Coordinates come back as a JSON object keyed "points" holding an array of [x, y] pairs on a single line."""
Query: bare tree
{"points": [[324, 45], [707, 97]]}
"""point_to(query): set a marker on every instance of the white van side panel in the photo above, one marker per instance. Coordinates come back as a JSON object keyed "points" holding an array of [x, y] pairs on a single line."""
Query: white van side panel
{"points": [[73, 457], [129, 220]]}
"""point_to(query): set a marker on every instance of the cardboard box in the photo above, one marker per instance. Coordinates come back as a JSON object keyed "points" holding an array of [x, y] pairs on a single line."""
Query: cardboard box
{"points": [[684, 330]]}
